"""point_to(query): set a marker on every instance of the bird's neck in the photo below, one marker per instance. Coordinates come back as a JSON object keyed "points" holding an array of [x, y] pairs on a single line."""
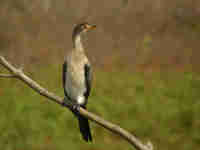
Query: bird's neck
{"points": [[77, 43]]}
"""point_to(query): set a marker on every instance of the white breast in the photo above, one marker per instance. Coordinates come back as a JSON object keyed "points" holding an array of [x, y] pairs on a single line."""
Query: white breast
{"points": [[81, 100]]}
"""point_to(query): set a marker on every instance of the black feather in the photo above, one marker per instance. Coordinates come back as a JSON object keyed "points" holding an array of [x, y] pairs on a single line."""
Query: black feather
{"points": [[64, 72], [88, 80], [84, 128]]}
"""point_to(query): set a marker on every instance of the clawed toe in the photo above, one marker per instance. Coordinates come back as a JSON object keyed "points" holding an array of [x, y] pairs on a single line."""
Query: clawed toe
{"points": [[76, 107]]}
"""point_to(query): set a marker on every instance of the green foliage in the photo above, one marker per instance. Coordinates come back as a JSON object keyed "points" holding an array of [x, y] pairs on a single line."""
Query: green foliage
{"points": [[161, 107]]}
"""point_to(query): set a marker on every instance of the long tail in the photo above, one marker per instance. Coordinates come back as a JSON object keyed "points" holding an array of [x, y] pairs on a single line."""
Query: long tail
{"points": [[83, 122], [84, 128]]}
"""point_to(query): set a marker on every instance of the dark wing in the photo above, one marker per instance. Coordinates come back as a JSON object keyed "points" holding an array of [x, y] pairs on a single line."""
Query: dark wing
{"points": [[88, 79], [64, 73]]}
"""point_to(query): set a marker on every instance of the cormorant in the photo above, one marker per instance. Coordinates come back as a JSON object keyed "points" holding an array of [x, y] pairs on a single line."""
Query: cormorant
{"points": [[77, 76]]}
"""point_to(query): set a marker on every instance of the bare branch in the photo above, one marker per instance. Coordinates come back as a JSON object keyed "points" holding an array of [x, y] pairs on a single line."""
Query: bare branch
{"points": [[51, 96], [7, 76]]}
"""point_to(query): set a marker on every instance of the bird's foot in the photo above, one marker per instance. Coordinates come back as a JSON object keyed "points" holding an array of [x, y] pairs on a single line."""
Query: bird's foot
{"points": [[76, 108]]}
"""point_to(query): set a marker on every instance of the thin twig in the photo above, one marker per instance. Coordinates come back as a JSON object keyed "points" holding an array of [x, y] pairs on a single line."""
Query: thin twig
{"points": [[51, 96], [7, 76]]}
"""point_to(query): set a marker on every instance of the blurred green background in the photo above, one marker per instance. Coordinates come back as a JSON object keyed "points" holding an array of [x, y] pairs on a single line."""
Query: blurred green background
{"points": [[145, 57]]}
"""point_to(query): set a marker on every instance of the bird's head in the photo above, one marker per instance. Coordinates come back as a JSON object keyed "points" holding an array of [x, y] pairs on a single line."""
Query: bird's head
{"points": [[82, 28]]}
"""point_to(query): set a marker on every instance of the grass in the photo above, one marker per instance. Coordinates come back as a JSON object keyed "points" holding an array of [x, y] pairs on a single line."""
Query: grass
{"points": [[163, 107]]}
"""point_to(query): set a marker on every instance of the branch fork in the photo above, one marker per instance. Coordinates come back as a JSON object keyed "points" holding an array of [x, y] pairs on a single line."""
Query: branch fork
{"points": [[18, 73]]}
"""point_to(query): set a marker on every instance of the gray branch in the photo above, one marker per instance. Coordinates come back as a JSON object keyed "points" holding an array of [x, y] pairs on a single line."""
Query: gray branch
{"points": [[7, 76], [17, 73]]}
